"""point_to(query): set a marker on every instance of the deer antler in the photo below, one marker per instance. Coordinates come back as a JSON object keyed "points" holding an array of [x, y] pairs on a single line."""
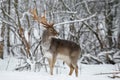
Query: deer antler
{"points": [[42, 19], [34, 14]]}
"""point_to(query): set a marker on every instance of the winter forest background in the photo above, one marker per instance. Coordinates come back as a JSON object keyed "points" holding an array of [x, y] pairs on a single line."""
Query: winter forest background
{"points": [[93, 24]]}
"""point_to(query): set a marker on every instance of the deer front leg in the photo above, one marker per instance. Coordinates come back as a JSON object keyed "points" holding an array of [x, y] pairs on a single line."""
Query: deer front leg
{"points": [[51, 65]]}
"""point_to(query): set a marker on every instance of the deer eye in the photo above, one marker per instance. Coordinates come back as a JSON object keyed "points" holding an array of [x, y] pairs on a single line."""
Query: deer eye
{"points": [[51, 30]]}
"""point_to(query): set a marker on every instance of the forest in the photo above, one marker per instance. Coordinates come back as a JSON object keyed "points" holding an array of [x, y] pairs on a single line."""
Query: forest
{"points": [[92, 24]]}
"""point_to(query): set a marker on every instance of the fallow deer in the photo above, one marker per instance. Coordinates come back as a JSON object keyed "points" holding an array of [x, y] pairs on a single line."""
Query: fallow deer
{"points": [[54, 48]]}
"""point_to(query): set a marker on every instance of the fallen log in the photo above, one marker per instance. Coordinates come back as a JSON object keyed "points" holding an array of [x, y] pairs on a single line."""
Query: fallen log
{"points": [[117, 72]]}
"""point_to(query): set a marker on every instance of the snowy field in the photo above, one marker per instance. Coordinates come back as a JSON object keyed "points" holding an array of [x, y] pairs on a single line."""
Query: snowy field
{"points": [[86, 72]]}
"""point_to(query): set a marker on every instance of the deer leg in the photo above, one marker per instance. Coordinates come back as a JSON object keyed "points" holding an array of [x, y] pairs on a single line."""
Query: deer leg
{"points": [[75, 66], [71, 69], [51, 65], [76, 70]]}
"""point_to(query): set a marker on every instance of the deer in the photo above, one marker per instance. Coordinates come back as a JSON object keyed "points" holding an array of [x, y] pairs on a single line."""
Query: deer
{"points": [[55, 48]]}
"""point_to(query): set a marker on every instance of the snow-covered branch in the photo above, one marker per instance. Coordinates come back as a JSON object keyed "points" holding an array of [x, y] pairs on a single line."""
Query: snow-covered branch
{"points": [[87, 8], [9, 16], [69, 12], [84, 19]]}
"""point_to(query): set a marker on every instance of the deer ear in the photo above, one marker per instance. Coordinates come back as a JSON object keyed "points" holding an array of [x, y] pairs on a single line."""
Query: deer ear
{"points": [[51, 24]]}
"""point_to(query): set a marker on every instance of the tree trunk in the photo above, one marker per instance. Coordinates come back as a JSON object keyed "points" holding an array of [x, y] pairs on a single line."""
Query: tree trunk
{"points": [[118, 41], [109, 22], [6, 29], [8, 32]]}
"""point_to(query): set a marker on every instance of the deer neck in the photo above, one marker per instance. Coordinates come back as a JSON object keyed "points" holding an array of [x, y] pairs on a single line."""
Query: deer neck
{"points": [[46, 40]]}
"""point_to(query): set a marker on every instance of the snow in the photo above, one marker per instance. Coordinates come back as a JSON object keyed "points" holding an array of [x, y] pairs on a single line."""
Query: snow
{"points": [[1, 39], [86, 72]]}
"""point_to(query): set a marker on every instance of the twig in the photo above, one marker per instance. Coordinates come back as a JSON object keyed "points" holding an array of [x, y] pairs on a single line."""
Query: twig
{"points": [[37, 46], [9, 16], [114, 76], [68, 12], [22, 67]]}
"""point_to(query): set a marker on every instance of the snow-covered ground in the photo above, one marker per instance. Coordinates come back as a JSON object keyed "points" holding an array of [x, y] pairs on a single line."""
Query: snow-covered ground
{"points": [[86, 72]]}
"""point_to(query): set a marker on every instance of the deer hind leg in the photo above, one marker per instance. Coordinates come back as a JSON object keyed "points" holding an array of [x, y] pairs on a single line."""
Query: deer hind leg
{"points": [[71, 69], [76, 70], [51, 65]]}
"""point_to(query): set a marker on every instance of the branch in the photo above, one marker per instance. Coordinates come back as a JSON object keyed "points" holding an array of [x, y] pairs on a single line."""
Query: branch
{"points": [[7, 22], [16, 33], [37, 47], [23, 15], [22, 67], [117, 72], [14, 46], [77, 4], [9, 16], [88, 10], [96, 34], [114, 76], [68, 12], [84, 19], [66, 6]]}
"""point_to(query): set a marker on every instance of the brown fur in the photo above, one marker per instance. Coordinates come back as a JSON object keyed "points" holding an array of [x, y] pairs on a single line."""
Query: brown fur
{"points": [[59, 46]]}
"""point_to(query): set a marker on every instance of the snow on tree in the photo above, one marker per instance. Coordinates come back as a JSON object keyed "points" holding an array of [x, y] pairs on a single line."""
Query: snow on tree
{"points": [[93, 24]]}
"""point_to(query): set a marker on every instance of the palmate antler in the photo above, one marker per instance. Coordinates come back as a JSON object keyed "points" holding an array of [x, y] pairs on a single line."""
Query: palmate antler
{"points": [[41, 19]]}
